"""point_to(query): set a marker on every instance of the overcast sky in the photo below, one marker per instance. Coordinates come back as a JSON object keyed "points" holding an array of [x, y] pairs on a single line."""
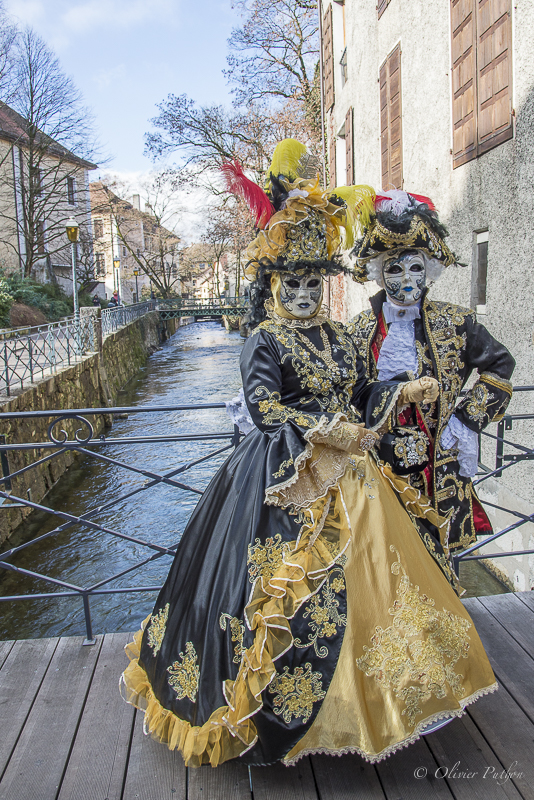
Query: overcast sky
{"points": [[126, 56]]}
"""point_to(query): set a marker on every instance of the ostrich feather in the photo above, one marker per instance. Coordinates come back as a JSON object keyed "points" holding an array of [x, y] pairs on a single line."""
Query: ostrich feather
{"points": [[289, 160], [237, 183], [360, 202]]}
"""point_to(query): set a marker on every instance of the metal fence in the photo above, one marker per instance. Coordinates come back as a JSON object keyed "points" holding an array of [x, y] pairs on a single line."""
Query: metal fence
{"points": [[32, 353], [83, 440]]}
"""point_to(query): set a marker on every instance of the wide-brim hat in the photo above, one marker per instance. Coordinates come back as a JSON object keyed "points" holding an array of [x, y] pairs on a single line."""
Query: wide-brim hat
{"points": [[402, 221]]}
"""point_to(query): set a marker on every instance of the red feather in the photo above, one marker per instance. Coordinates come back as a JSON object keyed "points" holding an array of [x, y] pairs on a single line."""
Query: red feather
{"points": [[253, 195], [422, 199]]}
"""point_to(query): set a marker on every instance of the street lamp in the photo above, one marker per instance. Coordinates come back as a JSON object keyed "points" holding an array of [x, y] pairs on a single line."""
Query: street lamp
{"points": [[136, 273], [116, 275], [73, 234]]}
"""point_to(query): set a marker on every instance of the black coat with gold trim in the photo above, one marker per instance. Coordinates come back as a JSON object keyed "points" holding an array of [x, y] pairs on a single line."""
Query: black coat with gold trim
{"points": [[450, 344]]}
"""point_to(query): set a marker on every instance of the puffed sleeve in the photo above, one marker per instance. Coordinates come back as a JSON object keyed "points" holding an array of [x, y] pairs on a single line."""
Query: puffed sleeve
{"points": [[488, 399]]}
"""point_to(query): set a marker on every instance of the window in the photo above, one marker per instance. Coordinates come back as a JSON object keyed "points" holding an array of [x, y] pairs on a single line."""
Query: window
{"points": [[480, 273], [124, 250], [481, 76], [343, 63], [40, 238], [328, 61], [98, 228], [71, 191], [381, 6], [100, 264], [37, 180], [332, 166], [391, 121], [349, 148]]}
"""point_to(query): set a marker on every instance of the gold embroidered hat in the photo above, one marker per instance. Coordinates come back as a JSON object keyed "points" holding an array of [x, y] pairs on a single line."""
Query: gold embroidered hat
{"points": [[400, 221], [300, 224]]}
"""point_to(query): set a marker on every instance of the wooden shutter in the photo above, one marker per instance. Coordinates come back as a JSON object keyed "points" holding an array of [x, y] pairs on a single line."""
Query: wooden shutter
{"points": [[391, 121], [328, 60], [349, 148], [464, 116], [494, 68], [381, 7], [332, 159]]}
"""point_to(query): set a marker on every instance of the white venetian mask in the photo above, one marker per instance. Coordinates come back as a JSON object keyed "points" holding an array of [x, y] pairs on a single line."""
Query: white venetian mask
{"points": [[301, 295], [404, 277]]}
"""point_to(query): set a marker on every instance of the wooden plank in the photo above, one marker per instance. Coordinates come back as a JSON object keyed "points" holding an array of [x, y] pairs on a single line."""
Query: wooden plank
{"points": [[513, 615], [154, 772], [410, 774], [510, 733], [38, 761], [97, 764], [464, 758], [5, 649], [20, 678], [228, 782], [345, 778], [527, 598], [278, 782], [511, 664]]}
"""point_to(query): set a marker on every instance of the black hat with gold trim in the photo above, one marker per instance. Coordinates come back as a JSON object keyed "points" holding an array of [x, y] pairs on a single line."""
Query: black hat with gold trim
{"points": [[401, 221], [300, 225]]}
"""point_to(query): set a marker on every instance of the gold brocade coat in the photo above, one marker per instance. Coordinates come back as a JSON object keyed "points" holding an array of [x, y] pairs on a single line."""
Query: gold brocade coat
{"points": [[450, 344]]}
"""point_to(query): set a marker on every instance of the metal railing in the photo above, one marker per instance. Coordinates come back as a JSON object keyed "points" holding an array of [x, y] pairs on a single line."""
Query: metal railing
{"points": [[32, 353], [82, 439], [503, 461], [214, 307]]}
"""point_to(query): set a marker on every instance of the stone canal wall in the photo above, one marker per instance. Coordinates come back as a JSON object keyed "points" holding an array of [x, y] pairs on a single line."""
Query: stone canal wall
{"points": [[91, 383]]}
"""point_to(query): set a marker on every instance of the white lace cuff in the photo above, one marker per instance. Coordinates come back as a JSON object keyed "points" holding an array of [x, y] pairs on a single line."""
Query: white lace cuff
{"points": [[237, 410], [458, 436]]}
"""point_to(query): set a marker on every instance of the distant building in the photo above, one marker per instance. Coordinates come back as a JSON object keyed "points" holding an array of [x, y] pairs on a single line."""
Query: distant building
{"points": [[42, 184], [437, 98], [128, 240]]}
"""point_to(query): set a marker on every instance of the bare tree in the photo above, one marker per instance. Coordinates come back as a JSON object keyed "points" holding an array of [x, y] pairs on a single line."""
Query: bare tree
{"points": [[275, 52], [150, 237], [8, 34], [51, 142]]}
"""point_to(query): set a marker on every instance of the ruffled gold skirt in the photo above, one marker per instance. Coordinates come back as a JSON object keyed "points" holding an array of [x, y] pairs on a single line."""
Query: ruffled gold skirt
{"points": [[410, 653]]}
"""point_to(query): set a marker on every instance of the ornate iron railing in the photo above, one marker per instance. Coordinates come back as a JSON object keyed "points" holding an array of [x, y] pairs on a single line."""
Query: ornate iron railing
{"points": [[32, 353], [82, 439], [215, 307]]}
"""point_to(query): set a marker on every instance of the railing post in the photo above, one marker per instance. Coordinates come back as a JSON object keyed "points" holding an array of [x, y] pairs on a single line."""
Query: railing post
{"points": [[89, 638], [8, 392], [97, 327], [5, 464], [500, 448], [30, 357]]}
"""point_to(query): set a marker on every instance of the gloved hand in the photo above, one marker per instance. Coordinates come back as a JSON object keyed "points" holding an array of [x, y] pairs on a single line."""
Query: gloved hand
{"points": [[423, 390], [352, 437]]}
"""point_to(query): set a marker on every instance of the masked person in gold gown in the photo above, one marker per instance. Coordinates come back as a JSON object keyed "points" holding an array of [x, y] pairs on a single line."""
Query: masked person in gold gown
{"points": [[310, 606]]}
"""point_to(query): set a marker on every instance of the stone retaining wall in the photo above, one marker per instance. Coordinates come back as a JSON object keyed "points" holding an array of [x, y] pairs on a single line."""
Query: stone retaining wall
{"points": [[92, 383]]}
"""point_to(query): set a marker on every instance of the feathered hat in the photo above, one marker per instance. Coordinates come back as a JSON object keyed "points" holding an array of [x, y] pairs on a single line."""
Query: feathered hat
{"points": [[401, 220], [300, 224]]}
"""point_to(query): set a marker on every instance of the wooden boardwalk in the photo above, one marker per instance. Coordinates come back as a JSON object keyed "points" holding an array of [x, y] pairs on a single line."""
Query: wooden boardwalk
{"points": [[65, 733]]}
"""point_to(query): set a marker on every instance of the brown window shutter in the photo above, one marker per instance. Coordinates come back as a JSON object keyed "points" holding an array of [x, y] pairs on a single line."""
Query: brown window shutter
{"points": [[463, 26], [381, 7], [349, 148], [332, 159], [328, 60], [391, 121], [494, 66]]}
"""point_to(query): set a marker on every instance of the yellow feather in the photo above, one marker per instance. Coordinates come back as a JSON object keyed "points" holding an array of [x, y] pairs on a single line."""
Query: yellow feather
{"points": [[286, 158], [360, 202]]}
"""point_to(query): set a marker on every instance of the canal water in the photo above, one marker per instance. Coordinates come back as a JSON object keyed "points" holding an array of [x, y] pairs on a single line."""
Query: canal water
{"points": [[199, 364]]}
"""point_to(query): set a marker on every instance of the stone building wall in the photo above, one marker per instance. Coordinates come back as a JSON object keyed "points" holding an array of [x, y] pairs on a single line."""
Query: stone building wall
{"points": [[92, 383], [491, 193]]}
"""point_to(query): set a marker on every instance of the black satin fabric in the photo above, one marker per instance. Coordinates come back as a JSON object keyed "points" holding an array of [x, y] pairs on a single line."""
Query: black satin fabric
{"points": [[209, 575]]}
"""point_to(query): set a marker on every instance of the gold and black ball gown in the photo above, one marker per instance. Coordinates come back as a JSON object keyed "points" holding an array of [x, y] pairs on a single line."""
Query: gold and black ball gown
{"points": [[309, 607]]}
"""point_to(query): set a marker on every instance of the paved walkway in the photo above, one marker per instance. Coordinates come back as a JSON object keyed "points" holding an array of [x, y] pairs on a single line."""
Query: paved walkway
{"points": [[67, 735]]}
